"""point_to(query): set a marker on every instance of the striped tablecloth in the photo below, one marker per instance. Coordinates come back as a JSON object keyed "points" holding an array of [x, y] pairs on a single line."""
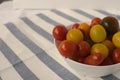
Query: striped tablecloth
{"points": [[27, 50]]}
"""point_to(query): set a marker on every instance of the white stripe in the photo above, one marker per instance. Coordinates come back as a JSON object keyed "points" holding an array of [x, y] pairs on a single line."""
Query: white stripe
{"points": [[3, 62], [9, 73], [117, 74], [113, 11]]}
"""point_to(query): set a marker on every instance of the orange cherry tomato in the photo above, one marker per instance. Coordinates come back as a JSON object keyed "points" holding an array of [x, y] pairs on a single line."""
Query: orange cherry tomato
{"points": [[85, 28]]}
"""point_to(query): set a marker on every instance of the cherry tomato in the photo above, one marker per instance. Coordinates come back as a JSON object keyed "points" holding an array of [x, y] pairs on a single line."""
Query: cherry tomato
{"points": [[80, 59], [109, 45], [116, 55], [75, 35], [95, 21], [98, 33], [94, 59], [116, 39], [84, 48], [85, 28], [59, 32], [107, 61], [100, 48], [68, 49], [75, 26], [111, 24]]}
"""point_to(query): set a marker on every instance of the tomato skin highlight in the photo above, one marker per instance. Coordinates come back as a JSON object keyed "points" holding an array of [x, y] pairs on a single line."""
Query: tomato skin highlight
{"points": [[59, 32], [94, 59], [68, 49]]}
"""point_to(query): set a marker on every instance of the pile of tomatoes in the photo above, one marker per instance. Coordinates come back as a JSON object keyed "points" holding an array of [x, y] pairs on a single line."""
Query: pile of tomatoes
{"points": [[95, 43]]}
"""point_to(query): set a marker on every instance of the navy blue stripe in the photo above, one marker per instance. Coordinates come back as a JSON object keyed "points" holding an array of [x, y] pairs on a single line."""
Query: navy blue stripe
{"points": [[37, 28], [83, 13], [19, 66], [47, 19], [41, 54], [110, 77], [70, 18], [1, 78]]}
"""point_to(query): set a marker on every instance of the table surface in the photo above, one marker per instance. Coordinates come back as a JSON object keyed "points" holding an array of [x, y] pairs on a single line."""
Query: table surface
{"points": [[24, 39]]}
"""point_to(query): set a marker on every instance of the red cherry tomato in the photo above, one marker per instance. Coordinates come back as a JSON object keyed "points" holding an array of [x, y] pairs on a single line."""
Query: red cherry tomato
{"points": [[68, 49], [94, 59], [59, 32], [75, 26], [84, 48], [95, 21], [116, 55]]}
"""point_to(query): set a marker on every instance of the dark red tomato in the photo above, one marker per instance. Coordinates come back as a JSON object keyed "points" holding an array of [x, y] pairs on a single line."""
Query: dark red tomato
{"points": [[111, 24], [68, 49], [84, 48], [95, 21], [75, 26], [107, 61], [116, 55], [59, 32], [80, 59], [94, 59]]}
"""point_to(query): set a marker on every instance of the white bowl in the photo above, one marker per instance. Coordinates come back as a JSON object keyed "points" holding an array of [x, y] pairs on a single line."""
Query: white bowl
{"points": [[93, 71], [90, 70]]}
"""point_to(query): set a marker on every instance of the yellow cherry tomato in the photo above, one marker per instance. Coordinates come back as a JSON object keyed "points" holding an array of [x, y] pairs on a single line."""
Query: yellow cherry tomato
{"points": [[100, 48], [97, 33], [75, 35], [116, 39]]}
